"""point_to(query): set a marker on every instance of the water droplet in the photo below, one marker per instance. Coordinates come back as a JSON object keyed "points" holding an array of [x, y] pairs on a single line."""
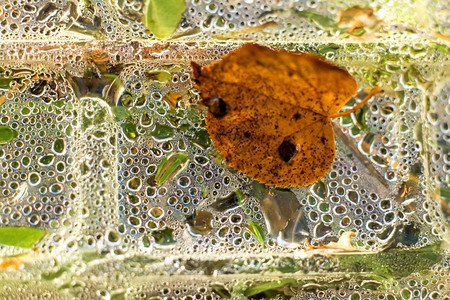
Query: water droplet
{"points": [[200, 223], [156, 213], [59, 146], [113, 238], [134, 200], [56, 188], [353, 197], [319, 189], [134, 184], [46, 160], [34, 178], [130, 131], [146, 120], [7, 134]]}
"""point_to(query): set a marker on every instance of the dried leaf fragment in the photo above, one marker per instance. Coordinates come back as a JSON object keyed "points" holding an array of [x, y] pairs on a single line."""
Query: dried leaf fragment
{"points": [[344, 243], [356, 18], [269, 112], [11, 263]]}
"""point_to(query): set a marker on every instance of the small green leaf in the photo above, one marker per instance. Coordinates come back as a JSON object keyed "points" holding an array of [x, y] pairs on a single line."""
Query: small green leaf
{"points": [[120, 112], [129, 129], [7, 134], [23, 237], [54, 275], [323, 21], [160, 75], [59, 103], [162, 16], [441, 47], [5, 83], [171, 166], [240, 196], [267, 286], [164, 237], [443, 192], [201, 138], [359, 32], [257, 231], [220, 290], [162, 132]]}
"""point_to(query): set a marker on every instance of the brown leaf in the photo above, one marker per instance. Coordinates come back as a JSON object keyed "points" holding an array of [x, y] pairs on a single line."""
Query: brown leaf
{"points": [[269, 112]]}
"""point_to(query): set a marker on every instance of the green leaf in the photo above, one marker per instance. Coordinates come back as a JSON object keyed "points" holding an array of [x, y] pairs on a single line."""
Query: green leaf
{"points": [[201, 138], [267, 286], [162, 16], [7, 134], [441, 47], [54, 275], [120, 112], [129, 129], [171, 166], [159, 75], [164, 237], [59, 103], [257, 231], [5, 83], [220, 290], [443, 192], [23, 237], [323, 21], [162, 132], [240, 197]]}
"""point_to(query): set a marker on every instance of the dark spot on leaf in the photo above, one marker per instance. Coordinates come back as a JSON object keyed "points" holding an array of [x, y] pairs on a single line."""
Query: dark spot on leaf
{"points": [[216, 106], [296, 116], [287, 151], [247, 134]]}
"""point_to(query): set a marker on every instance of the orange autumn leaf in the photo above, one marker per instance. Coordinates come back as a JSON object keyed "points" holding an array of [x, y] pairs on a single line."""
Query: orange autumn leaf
{"points": [[269, 112], [11, 263]]}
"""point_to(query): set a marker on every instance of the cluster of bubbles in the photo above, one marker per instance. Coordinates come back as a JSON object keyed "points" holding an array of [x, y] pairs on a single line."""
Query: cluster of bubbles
{"points": [[206, 19], [167, 128], [36, 183]]}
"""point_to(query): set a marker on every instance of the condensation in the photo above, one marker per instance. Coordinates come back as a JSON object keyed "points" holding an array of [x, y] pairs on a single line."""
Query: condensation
{"points": [[100, 107]]}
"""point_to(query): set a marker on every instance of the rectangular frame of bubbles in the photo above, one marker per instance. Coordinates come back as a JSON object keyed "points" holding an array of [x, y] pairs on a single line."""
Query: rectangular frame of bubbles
{"points": [[151, 150]]}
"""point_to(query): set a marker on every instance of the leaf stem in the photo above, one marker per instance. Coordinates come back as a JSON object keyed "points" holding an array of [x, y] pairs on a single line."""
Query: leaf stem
{"points": [[374, 91]]}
